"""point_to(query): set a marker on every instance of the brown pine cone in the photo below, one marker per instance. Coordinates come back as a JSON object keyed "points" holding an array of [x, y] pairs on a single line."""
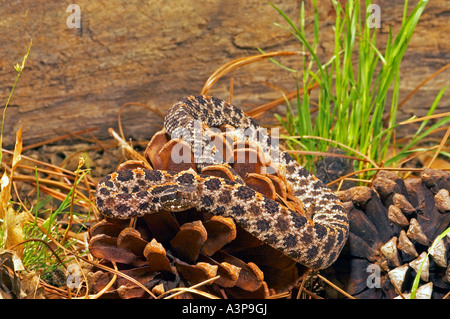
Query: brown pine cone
{"points": [[167, 250], [392, 228]]}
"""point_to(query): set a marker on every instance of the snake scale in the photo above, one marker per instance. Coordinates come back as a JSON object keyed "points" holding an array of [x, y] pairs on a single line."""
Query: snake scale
{"points": [[314, 242]]}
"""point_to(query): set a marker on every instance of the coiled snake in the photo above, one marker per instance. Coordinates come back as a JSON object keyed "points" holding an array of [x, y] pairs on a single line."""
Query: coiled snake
{"points": [[314, 242]]}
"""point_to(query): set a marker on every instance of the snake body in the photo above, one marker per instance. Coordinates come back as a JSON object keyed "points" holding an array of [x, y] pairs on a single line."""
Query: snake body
{"points": [[315, 242]]}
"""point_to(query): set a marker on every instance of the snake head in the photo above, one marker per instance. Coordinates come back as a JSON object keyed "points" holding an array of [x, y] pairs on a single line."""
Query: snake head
{"points": [[174, 197]]}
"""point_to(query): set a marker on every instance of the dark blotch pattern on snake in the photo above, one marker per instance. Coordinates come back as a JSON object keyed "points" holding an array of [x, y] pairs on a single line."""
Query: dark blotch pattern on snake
{"points": [[314, 242]]}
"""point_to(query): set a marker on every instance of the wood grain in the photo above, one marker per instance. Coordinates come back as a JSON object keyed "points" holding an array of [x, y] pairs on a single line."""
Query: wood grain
{"points": [[155, 51]]}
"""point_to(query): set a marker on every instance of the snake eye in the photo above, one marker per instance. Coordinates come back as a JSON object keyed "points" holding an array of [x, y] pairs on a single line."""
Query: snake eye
{"points": [[168, 197], [176, 200], [175, 204]]}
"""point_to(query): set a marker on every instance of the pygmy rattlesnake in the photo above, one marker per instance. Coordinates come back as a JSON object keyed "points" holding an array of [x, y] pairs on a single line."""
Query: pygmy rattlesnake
{"points": [[314, 242]]}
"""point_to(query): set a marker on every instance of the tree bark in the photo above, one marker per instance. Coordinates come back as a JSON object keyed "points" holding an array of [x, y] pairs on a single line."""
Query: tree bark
{"points": [[154, 52]]}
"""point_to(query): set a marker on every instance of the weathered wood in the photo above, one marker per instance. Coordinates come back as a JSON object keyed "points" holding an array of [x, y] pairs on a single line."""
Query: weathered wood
{"points": [[156, 51]]}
